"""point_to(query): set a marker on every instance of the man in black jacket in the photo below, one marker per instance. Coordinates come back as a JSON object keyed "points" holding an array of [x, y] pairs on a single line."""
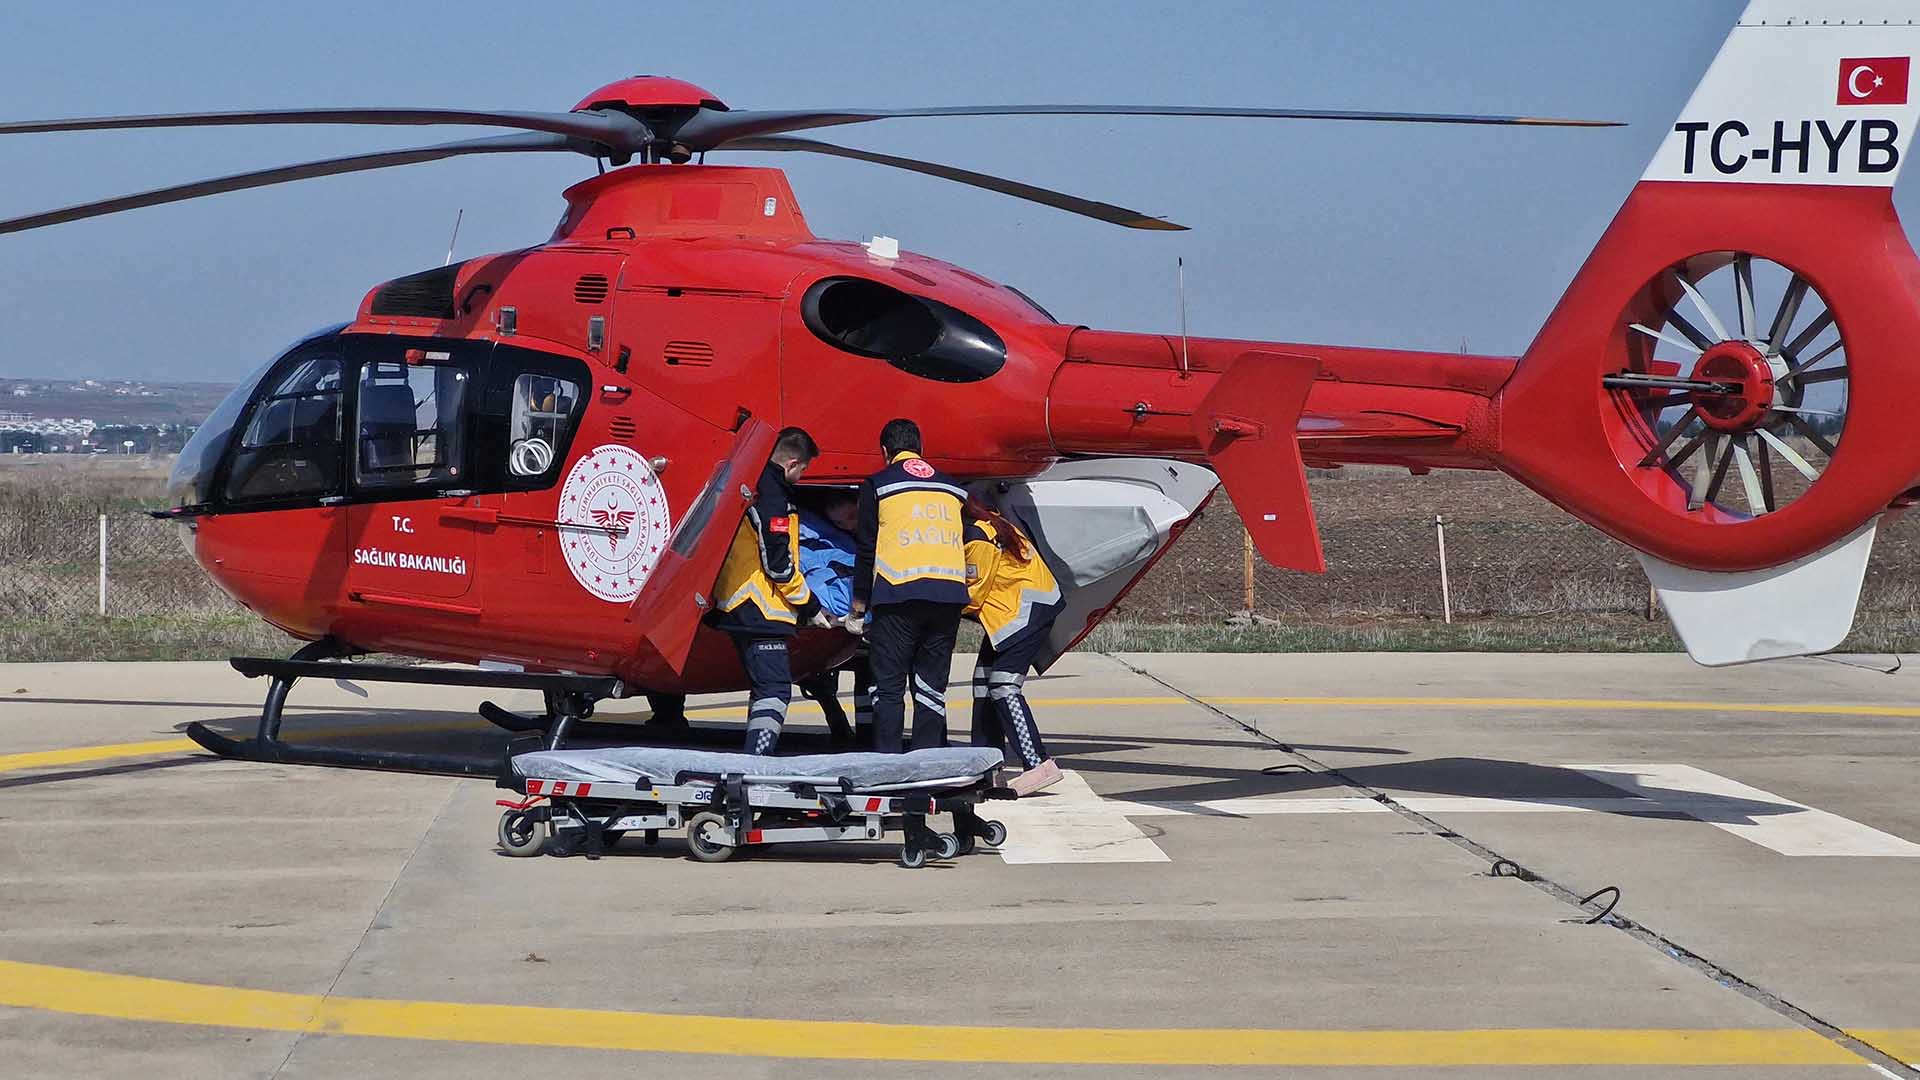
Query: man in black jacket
{"points": [[761, 596], [910, 569]]}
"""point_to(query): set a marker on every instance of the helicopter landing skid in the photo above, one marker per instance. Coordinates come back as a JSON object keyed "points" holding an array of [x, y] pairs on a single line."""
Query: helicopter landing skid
{"points": [[569, 697]]}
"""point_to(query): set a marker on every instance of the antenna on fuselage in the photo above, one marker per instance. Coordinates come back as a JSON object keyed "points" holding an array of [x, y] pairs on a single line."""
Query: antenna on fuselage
{"points": [[1181, 264], [455, 238]]}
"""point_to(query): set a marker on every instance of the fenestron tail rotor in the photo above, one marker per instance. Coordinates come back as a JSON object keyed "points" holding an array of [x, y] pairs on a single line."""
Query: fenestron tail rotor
{"points": [[1743, 410], [652, 119]]}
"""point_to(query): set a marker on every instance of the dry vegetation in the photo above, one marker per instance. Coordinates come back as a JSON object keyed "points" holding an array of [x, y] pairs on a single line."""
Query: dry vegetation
{"points": [[1525, 577]]}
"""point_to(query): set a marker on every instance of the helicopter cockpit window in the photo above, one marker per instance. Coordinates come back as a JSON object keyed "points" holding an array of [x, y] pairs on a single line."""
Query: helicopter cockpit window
{"points": [[291, 446], [543, 407], [410, 425]]}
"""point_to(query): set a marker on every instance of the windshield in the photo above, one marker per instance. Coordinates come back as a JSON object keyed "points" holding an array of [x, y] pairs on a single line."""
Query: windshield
{"points": [[191, 482]]}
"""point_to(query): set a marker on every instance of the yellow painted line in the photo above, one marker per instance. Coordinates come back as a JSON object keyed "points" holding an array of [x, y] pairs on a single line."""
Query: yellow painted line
{"points": [[1898, 1043], [41, 759], [1554, 704], [738, 711], [79, 755], [166, 1001], [1609, 704]]}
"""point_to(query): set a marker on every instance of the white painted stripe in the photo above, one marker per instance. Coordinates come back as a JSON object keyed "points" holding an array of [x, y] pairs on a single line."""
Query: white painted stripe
{"points": [[1769, 820], [1068, 823]]}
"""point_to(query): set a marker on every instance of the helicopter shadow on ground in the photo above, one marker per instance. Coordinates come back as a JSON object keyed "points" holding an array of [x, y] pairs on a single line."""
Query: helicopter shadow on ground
{"points": [[450, 733], [1471, 777], [467, 735]]}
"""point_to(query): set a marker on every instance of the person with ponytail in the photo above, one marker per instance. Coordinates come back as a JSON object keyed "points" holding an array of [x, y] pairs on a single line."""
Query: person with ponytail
{"points": [[1015, 599]]}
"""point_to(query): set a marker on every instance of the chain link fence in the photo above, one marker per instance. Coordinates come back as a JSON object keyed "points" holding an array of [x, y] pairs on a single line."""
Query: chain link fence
{"points": [[55, 541], [1510, 556]]}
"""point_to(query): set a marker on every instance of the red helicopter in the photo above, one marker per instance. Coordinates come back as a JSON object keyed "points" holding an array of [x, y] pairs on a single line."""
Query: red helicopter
{"points": [[534, 461]]}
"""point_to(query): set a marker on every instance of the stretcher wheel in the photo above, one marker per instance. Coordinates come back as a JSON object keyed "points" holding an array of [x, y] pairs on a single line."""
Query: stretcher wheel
{"points": [[992, 833], [912, 856], [703, 848], [520, 834], [949, 845]]}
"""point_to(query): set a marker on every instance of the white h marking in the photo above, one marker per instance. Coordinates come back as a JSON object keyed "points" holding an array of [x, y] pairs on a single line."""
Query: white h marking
{"points": [[1070, 823], [1780, 824]]}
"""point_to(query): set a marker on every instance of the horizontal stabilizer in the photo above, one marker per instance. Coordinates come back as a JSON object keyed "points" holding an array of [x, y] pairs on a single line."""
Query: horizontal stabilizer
{"points": [[1248, 427], [1803, 607]]}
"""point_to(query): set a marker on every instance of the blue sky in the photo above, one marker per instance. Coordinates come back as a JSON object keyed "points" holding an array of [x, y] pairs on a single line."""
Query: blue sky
{"points": [[1360, 234]]}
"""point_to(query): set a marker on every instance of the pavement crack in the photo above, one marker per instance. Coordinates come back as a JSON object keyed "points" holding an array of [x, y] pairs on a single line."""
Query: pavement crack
{"points": [[1646, 935], [372, 921]]}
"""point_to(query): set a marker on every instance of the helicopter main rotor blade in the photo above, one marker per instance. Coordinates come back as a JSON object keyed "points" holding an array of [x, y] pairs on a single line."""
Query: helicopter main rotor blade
{"points": [[615, 130], [1117, 215], [711, 130], [386, 159]]}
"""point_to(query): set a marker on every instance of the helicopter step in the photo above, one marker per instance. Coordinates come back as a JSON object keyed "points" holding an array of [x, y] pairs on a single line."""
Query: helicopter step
{"points": [[569, 698]]}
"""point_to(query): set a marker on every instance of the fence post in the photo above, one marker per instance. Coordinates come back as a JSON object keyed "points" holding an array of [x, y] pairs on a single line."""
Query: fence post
{"points": [[1446, 592], [1246, 573], [103, 564]]}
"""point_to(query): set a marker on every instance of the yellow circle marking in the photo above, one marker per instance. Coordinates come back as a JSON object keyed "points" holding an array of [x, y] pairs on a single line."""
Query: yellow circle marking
{"points": [[130, 997], [82, 754]]}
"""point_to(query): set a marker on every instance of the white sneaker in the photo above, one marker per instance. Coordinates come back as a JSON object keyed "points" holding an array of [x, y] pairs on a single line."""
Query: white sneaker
{"points": [[1037, 779]]}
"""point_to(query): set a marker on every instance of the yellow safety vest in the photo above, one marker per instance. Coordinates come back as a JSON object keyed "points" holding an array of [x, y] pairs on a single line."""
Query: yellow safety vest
{"points": [[918, 542], [1004, 592], [763, 565]]}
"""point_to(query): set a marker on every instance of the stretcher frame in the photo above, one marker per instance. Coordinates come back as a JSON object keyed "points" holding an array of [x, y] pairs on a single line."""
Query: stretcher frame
{"points": [[723, 813]]}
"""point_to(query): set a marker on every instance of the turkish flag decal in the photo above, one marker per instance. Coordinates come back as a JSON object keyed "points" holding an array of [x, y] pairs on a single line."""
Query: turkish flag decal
{"points": [[1874, 80]]}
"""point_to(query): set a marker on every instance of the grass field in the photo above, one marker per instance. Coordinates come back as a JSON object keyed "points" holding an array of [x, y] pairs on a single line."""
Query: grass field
{"points": [[1524, 576]]}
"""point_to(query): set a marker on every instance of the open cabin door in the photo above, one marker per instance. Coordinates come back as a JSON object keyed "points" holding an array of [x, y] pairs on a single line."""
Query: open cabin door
{"points": [[1099, 523], [679, 593]]}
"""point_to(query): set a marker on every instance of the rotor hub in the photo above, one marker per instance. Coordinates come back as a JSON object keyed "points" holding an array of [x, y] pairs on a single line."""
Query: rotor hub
{"points": [[1740, 365], [643, 93]]}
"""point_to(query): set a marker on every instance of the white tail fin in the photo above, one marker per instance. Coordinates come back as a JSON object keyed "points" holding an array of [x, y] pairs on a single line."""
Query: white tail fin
{"points": [[1803, 92]]}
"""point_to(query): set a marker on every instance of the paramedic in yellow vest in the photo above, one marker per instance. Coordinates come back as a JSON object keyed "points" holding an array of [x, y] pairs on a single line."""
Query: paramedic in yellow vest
{"points": [[910, 573], [761, 596], [1016, 599]]}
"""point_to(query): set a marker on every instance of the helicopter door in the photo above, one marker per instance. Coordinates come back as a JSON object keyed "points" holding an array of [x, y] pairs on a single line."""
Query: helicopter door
{"points": [[680, 591], [411, 519], [1099, 523]]}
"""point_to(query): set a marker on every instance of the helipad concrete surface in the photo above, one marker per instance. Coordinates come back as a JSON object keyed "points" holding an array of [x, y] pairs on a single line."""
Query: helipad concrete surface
{"points": [[1275, 863]]}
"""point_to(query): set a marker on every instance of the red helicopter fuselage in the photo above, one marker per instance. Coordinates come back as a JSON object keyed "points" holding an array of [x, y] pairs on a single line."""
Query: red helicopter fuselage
{"points": [[672, 305]]}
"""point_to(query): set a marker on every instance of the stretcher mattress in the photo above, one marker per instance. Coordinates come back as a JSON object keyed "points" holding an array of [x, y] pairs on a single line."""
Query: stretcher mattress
{"points": [[951, 766]]}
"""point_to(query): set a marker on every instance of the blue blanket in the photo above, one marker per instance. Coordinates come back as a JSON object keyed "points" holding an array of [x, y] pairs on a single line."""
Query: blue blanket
{"points": [[826, 558]]}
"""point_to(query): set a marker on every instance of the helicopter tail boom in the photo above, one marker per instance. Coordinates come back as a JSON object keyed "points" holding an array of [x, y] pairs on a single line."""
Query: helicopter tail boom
{"points": [[1727, 384], [1260, 413]]}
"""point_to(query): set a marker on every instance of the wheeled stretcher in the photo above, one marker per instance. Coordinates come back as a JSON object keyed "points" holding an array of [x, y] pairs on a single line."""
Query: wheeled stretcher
{"points": [[585, 800]]}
